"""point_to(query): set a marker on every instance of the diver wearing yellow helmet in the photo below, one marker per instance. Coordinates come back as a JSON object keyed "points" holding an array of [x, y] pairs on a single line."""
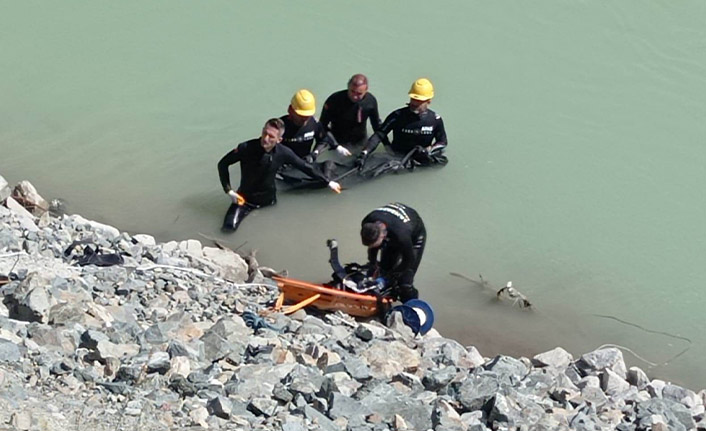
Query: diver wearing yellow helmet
{"points": [[302, 129], [414, 126]]}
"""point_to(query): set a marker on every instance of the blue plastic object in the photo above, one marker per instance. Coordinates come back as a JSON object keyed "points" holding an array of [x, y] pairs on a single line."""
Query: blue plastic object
{"points": [[424, 312], [416, 314]]}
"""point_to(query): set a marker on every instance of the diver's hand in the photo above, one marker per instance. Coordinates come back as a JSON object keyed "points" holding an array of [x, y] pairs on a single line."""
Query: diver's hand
{"points": [[334, 186], [343, 151], [309, 158], [236, 197], [360, 161]]}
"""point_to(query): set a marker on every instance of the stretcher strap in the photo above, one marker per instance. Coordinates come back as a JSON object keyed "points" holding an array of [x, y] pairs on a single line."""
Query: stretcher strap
{"points": [[301, 304]]}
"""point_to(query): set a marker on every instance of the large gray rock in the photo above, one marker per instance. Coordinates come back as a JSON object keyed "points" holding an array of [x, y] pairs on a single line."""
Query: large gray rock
{"points": [[27, 195], [230, 265], [443, 351], [387, 359], [220, 406], [346, 407], [613, 384], [603, 359], [637, 377], [30, 301], [226, 338], [677, 415], [159, 363], [509, 369], [24, 217], [388, 402], [557, 358], [9, 351], [107, 231], [476, 390], [4, 189], [445, 417]]}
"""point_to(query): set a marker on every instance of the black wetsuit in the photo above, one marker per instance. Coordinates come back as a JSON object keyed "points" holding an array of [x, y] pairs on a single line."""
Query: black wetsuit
{"points": [[402, 249], [301, 138], [258, 169], [347, 119], [410, 130]]}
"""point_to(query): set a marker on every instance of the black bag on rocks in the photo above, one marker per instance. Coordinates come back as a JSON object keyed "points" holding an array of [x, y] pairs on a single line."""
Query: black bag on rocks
{"points": [[92, 256]]}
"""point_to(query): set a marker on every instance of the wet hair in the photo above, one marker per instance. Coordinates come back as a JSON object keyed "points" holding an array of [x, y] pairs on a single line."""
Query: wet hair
{"points": [[370, 232], [357, 80], [276, 123]]}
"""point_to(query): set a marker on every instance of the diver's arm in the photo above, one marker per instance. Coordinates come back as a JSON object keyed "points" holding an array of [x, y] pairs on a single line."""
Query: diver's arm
{"points": [[324, 140], [290, 158], [405, 268], [440, 141], [232, 157], [374, 115], [381, 134]]}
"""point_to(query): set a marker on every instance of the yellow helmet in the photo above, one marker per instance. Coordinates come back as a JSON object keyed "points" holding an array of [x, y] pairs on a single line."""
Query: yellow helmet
{"points": [[421, 90], [304, 103]]}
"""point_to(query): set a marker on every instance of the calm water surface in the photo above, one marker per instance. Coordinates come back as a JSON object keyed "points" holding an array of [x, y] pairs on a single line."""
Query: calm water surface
{"points": [[576, 130]]}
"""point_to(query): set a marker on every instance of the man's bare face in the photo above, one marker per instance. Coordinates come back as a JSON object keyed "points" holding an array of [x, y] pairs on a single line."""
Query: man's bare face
{"points": [[356, 93], [270, 137]]}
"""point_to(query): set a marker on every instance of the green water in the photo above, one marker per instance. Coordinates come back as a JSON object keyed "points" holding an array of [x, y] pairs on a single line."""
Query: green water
{"points": [[576, 130]]}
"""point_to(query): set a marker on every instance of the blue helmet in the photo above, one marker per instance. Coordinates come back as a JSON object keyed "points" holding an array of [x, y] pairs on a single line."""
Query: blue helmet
{"points": [[416, 314]]}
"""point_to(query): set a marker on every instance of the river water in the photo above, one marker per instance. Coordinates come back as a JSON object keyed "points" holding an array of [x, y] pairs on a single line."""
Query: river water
{"points": [[576, 142]]}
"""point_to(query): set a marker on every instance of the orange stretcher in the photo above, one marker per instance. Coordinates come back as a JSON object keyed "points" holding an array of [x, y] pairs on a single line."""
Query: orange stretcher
{"points": [[303, 293]]}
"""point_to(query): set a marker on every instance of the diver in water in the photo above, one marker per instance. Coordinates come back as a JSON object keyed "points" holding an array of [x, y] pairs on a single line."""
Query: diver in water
{"points": [[346, 112], [259, 161], [414, 126], [397, 233], [302, 129]]}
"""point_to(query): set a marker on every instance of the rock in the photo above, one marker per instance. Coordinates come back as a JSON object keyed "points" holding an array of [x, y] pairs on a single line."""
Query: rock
{"points": [[476, 390], [676, 415], [9, 351], [446, 417], [434, 380], [613, 384], [191, 247], [28, 197], [387, 359], [199, 416], [109, 232], [4, 189], [508, 369], [143, 239], [230, 265], [637, 377], [159, 363], [604, 359], [364, 333], [557, 358], [263, 407], [220, 406], [66, 314], [21, 421], [343, 406], [24, 217], [106, 349], [30, 301]]}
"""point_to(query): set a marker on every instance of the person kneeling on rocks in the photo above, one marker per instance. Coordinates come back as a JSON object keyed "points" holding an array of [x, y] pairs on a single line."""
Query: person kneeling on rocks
{"points": [[260, 158], [397, 232]]}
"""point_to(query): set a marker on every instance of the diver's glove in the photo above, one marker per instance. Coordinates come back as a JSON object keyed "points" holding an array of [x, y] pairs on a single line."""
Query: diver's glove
{"points": [[360, 160], [343, 151], [309, 158], [236, 197], [334, 186]]}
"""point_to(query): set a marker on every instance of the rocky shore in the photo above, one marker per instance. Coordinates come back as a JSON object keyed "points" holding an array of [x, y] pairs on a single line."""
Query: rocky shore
{"points": [[172, 336]]}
